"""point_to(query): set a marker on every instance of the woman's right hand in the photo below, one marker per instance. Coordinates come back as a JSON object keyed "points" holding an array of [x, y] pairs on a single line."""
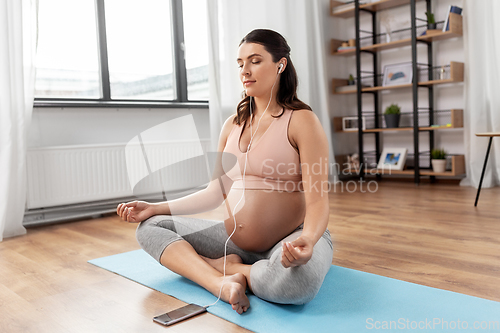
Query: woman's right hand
{"points": [[135, 211]]}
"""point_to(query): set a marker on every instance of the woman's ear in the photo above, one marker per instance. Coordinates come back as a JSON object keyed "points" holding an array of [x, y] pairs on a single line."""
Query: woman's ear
{"points": [[282, 65]]}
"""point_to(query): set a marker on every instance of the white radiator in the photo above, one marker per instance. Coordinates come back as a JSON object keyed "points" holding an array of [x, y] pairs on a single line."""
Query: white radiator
{"points": [[78, 174]]}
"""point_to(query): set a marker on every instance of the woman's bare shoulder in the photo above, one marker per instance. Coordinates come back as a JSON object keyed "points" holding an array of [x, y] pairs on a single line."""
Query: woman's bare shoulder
{"points": [[304, 114], [303, 121], [228, 124], [226, 130]]}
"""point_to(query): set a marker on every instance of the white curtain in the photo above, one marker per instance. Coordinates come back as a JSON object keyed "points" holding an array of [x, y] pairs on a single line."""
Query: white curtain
{"points": [[482, 89], [18, 35], [299, 21]]}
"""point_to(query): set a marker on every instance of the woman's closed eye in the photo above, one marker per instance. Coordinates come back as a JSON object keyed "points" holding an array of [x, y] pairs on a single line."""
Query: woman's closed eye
{"points": [[254, 63]]}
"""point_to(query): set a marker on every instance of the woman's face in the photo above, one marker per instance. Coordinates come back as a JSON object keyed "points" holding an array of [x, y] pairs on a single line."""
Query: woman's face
{"points": [[258, 72]]}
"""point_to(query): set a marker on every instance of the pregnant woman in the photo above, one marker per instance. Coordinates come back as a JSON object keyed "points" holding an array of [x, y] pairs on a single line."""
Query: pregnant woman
{"points": [[277, 194]]}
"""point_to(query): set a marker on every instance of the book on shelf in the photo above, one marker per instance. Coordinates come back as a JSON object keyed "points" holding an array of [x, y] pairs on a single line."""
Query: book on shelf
{"points": [[451, 9]]}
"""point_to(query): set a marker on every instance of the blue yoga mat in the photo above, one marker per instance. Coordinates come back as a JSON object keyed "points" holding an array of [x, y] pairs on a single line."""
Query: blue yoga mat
{"points": [[348, 301]]}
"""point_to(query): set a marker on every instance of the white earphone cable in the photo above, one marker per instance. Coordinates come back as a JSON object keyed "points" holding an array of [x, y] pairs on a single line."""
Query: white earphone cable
{"points": [[243, 180]]}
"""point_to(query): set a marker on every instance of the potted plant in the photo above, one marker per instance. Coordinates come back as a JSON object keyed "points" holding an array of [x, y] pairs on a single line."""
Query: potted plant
{"points": [[438, 160], [431, 22], [392, 115], [351, 80]]}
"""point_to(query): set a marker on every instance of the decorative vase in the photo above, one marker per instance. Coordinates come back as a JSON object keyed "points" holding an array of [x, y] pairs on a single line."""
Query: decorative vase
{"points": [[431, 26], [438, 165], [392, 120]]}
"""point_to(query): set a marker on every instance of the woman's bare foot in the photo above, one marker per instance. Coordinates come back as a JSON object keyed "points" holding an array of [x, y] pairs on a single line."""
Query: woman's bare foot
{"points": [[218, 264], [233, 292]]}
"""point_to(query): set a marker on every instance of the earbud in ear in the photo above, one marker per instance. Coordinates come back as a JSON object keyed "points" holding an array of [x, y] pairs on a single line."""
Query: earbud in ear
{"points": [[281, 68]]}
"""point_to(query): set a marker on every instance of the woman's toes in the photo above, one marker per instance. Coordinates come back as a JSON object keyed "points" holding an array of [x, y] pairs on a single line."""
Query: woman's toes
{"points": [[234, 292]]}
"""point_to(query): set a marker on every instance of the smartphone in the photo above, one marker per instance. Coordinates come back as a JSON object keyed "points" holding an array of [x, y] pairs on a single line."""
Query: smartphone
{"points": [[180, 314]]}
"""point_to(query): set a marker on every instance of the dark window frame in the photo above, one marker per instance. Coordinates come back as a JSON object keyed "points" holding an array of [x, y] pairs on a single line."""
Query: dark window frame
{"points": [[180, 72]]}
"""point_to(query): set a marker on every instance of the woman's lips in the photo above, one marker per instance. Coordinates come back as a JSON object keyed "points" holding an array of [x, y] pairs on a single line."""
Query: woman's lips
{"points": [[247, 83]]}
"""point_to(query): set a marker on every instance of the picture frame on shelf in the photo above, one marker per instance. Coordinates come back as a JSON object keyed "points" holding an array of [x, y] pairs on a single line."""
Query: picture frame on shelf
{"points": [[392, 159], [396, 74], [351, 124]]}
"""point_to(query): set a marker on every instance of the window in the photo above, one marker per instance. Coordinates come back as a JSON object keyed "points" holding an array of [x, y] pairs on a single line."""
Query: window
{"points": [[139, 49], [195, 17], [67, 55], [122, 51]]}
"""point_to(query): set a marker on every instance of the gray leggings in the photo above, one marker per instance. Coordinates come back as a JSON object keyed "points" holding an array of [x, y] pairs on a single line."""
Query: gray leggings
{"points": [[269, 279]]}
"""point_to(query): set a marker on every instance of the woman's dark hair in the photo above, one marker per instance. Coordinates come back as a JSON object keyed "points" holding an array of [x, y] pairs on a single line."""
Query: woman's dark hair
{"points": [[286, 97]]}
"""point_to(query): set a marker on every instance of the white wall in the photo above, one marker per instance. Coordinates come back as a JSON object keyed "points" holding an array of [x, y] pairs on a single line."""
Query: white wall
{"points": [[448, 96], [86, 126], [80, 126]]}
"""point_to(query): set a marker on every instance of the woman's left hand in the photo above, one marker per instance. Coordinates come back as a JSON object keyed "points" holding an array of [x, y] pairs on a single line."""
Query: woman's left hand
{"points": [[297, 252]]}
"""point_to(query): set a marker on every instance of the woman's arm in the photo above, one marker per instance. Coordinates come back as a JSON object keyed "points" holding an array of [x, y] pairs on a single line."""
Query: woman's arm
{"points": [[209, 198], [312, 143], [202, 201]]}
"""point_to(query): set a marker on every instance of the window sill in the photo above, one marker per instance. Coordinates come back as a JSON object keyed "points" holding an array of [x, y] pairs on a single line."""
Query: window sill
{"points": [[88, 103]]}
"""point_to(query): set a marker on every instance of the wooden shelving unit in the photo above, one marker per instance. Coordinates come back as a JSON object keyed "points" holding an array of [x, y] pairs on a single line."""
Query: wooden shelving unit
{"points": [[456, 74]]}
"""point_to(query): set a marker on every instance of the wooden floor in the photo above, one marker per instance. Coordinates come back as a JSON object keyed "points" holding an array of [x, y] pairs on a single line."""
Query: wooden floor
{"points": [[429, 234]]}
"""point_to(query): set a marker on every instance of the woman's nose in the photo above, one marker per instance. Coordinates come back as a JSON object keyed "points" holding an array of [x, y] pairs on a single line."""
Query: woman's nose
{"points": [[245, 71]]}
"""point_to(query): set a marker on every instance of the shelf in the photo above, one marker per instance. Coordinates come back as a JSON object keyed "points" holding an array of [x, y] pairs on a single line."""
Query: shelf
{"points": [[342, 85], [457, 169], [455, 31], [456, 122], [374, 130], [390, 172], [373, 6], [456, 75], [375, 171], [409, 85], [398, 86]]}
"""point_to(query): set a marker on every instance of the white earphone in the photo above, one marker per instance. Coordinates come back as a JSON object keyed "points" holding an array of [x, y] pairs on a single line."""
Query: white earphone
{"points": [[252, 134]]}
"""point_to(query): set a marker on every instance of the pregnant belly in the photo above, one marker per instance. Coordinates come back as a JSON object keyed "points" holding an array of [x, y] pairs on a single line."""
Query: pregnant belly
{"points": [[263, 218]]}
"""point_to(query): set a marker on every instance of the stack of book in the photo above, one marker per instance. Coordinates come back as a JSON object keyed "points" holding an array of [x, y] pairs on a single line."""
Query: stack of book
{"points": [[451, 9]]}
